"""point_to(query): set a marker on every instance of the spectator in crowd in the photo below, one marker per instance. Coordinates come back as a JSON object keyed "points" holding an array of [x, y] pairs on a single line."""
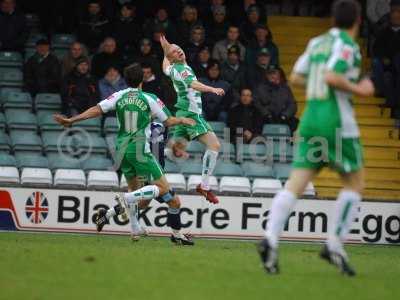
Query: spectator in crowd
{"points": [[218, 26], [127, 30], [386, 62], [161, 19], [42, 71], [147, 56], [220, 51], [13, 29], [248, 27], [188, 21], [201, 62], [79, 90], [94, 27], [158, 85], [263, 39], [111, 83], [244, 119], [75, 53], [156, 45], [215, 107], [256, 74], [238, 10], [233, 70], [108, 56], [275, 100], [196, 42], [378, 13]]}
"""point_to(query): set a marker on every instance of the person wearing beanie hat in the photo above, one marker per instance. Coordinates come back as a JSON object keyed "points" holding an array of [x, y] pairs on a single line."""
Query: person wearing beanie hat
{"points": [[42, 71], [233, 70], [218, 25], [78, 89], [248, 27], [256, 73]]}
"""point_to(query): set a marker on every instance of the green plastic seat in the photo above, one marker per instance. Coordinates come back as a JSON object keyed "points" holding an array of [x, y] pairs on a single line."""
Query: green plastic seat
{"points": [[21, 119], [25, 160], [110, 125], [25, 140], [57, 161], [47, 123], [218, 128], [5, 91], [5, 144], [10, 59], [53, 141], [90, 125], [42, 113], [7, 160], [62, 41], [191, 167], [94, 144], [171, 167], [276, 130], [29, 52], [95, 162], [195, 148], [256, 170], [253, 151], [60, 53], [227, 151], [11, 78], [2, 122], [283, 152], [282, 171], [227, 169], [33, 38], [17, 100], [48, 101]]}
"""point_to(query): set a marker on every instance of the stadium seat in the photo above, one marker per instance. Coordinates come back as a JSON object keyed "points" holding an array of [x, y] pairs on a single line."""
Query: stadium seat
{"points": [[44, 112], [227, 151], [310, 190], [32, 21], [91, 143], [10, 59], [60, 53], [256, 170], [190, 167], [47, 123], [176, 181], [36, 177], [4, 142], [171, 167], [2, 121], [195, 180], [276, 130], [227, 169], [95, 162], [266, 186], [55, 140], [69, 178], [59, 161], [218, 128], [11, 78], [5, 91], [33, 38], [282, 152], [252, 152], [91, 125], [25, 140], [7, 160], [14, 99], [235, 185], [9, 175], [282, 171], [123, 184], [62, 41], [48, 101], [29, 52], [195, 149], [31, 161], [21, 119], [102, 180], [110, 126]]}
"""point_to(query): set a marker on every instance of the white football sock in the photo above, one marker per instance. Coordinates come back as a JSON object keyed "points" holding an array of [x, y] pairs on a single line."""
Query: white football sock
{"points": [[346, 209], [209, 162], [147, 192], [135, 226], [280, 210]]}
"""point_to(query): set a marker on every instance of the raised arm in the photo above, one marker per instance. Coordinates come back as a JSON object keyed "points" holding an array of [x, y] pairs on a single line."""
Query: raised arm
{"points": [[165, 46], [93, 112], [200, 87]]}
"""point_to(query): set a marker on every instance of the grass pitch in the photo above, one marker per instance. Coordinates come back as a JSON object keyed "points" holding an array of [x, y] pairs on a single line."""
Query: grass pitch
{"points": [[52, 266]]}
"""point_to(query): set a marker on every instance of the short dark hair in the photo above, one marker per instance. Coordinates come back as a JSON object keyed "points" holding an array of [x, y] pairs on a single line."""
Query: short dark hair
{"points": [[146, 65], [133, 75], [346, 13]]}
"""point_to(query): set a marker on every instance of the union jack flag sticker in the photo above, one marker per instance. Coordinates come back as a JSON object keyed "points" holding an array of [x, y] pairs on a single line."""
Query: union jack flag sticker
{"points": [[37, 208]]}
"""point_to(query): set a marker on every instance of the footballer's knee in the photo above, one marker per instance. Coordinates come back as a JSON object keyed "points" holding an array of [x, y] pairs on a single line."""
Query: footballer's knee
{"points": [[143, 204], [175, 203]]}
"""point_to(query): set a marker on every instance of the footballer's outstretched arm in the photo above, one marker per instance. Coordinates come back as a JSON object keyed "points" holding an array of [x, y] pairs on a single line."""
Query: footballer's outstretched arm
{"points": [[297, 79], [200, 87], [364, 88], [93, 112]]}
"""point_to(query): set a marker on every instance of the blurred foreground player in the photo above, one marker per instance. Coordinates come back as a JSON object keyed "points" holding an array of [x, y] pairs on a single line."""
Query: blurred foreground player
{"points": [[328, 134], [135, 110]]}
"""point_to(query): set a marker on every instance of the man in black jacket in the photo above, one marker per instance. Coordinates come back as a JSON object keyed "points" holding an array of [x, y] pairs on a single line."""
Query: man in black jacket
{"points": [[233, 70], [79, 89], [256, 74], [275, 100], [42, 71], [386, 62], [244, 119], [13, 29], [108, 56]]}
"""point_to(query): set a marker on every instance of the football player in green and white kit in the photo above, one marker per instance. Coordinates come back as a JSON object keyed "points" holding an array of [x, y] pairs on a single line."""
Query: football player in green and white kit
{"points": [[135, 110], [188, 105], [328, 134]]}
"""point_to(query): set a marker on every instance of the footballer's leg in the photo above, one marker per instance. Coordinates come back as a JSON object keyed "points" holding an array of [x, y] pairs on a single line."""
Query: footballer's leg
{"points": [[281, 208], [210, 140], [136, 229]]}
